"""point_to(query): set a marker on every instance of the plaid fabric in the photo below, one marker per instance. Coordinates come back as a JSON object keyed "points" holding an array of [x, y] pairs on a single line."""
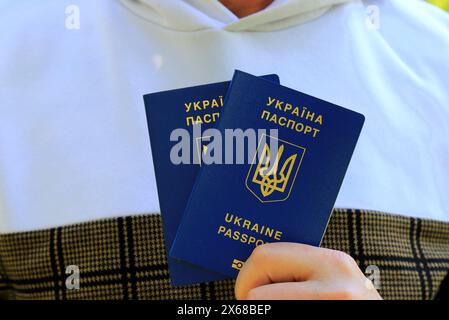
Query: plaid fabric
{"points": [[124, 258]]}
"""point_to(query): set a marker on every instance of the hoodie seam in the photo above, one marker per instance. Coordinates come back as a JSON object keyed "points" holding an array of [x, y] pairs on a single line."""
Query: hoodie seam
{"points": [[134, 13], [229, 27]]}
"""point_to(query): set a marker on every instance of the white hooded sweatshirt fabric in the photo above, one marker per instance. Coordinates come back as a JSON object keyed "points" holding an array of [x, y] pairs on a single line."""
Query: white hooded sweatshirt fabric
{"points": [[74, 143]]}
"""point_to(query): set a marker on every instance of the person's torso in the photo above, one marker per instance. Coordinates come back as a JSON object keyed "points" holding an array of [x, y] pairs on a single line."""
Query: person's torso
{"points": [[73, 138]]}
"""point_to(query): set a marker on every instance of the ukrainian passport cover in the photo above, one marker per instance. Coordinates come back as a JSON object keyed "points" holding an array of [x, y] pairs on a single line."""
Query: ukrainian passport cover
{"points": [[167, 112], [284, 192]]}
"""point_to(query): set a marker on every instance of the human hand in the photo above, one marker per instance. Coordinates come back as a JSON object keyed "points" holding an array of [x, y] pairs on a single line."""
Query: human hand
{"points": [[293, 271]]}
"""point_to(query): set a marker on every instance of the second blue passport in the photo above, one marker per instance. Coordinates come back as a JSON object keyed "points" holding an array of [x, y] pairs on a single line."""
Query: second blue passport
{"points": [[170, 114]]}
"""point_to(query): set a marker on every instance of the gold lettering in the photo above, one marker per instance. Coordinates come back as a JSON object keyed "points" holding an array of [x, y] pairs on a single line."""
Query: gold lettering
{"points": [[267, 113], [221, 229], [196, 106], [282, 121], [279, 104], [189, 121], [310, 115], [295, 112], [228, 217], [278, 235], [255, 228], [273, 118], [214, 103]]}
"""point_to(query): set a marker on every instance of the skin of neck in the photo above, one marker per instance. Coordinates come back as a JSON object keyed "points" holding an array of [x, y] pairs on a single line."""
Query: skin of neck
{"points": [[243, 8]]}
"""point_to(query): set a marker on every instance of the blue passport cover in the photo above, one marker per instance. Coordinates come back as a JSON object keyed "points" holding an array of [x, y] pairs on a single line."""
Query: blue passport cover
{"points": [[233, 207], [165, 112]]}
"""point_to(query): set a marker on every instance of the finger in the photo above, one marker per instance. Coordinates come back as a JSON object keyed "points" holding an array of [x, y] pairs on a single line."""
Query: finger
{"points": [[308, 290], [288, 262]]}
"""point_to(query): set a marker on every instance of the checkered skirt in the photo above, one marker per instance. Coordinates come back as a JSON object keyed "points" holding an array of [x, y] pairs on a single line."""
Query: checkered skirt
{"points": [[124, 258]]}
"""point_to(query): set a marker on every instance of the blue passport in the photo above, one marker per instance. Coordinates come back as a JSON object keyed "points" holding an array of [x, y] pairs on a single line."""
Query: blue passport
{"points": [[286, 189], [166, 112]]}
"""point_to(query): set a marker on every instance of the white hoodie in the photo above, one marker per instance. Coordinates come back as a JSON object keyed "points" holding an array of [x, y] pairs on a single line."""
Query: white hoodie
{"points": [[73, 137]]}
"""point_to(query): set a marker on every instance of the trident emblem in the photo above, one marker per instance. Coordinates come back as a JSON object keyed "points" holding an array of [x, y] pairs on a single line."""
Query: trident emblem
{"points": [[273, 176], [271, 179]]}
